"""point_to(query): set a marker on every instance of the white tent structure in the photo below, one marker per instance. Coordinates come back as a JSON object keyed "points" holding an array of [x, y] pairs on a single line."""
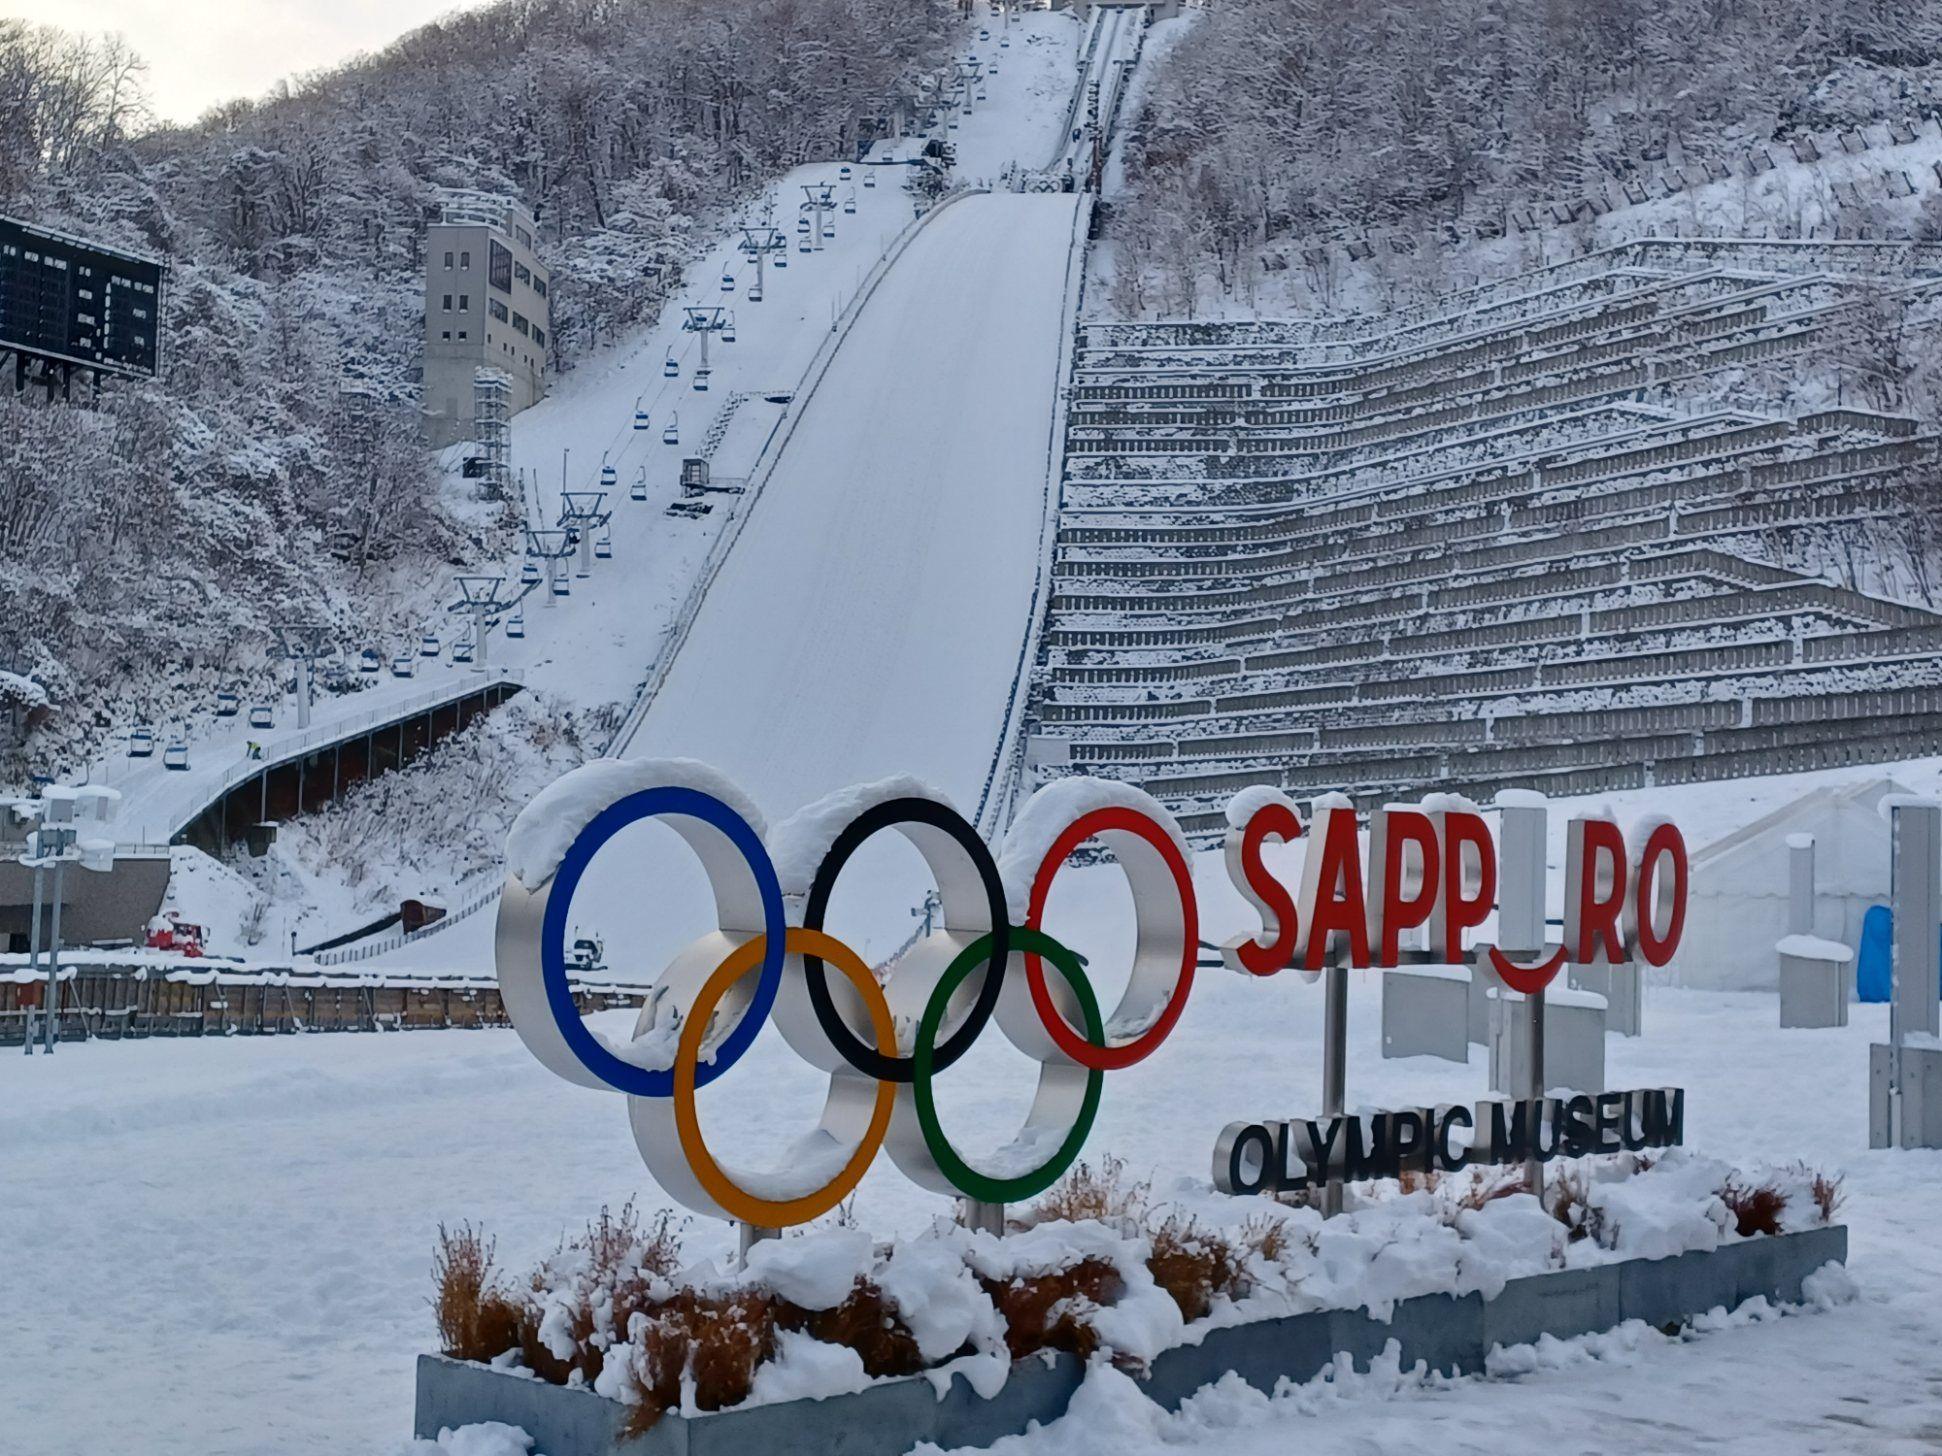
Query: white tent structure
{"points": [[1738, 905]]}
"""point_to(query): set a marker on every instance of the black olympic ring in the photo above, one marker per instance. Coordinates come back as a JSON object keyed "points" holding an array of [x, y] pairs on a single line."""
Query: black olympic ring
{"points": [[893, 813]]}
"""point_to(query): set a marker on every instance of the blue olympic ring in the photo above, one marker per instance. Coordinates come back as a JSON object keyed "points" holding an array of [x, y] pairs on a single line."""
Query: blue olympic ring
{"points": [[649, 804]]}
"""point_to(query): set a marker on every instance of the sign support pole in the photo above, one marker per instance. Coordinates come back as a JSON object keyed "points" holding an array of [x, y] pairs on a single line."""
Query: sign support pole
{"points": [[1915, 865], [1520, 930], [1335, 1060], [33, 940]]}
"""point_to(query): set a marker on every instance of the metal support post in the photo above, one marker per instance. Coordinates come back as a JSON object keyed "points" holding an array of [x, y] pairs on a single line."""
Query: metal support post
{"points": [[50, 1013], [33, 942]]}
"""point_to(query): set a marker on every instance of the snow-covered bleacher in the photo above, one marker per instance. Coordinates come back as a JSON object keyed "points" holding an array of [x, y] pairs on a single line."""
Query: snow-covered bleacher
{"points": [[1515, 543]]}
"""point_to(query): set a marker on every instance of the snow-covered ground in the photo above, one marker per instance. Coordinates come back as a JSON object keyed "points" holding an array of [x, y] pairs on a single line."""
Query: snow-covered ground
{"points": [[224, 1246]]}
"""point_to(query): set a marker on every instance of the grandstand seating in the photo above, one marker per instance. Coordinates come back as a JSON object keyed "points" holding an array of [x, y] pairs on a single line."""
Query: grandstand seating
{"points": [[1518, 542]]}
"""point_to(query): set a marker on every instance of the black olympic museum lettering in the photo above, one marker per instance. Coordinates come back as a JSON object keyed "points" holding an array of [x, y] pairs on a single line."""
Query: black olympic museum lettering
{"points": [[1278, 1157]]}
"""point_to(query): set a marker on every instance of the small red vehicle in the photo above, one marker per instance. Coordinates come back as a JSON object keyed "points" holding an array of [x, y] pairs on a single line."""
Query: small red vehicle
{"points": [[171, 932]]}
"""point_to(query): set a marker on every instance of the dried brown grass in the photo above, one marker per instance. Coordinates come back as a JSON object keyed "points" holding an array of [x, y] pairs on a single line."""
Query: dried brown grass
{"points": [[1048, 1311], [866, 1323], [478, 1319], [714, 1342], [1489, 1185], [1102, 1193], [1829, 1195], [1569, 1203], [1755, 1209], [1193, 1264]]}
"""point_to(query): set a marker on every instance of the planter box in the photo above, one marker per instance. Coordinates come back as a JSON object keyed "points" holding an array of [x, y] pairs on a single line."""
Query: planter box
{"points": [[1452, 1334]]}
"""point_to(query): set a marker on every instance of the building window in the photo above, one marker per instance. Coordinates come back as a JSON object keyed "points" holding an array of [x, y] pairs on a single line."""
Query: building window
{"points": [[447, 335], [465, 302], [499, 266], [461, 336], [539, 337], [447, 307], [525, 238], [496, 309], [519, 322], [465, 259], [539, 285], [448, 257], [522, 272]]}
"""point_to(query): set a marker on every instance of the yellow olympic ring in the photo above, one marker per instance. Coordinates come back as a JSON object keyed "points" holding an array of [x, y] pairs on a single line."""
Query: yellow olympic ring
{"points": [[735, 1200]]}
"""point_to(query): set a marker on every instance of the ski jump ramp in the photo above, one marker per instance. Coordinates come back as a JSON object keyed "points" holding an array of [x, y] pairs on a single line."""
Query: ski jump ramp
{"points": [[871, 619]]}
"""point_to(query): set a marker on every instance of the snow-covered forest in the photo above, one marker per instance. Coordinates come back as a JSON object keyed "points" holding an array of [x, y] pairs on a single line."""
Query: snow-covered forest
{"points": [[273, 470], [1275, 122]]}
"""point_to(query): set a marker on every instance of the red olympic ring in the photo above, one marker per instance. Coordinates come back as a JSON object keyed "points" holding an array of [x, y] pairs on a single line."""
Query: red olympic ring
{"points": [[1086, 826]]}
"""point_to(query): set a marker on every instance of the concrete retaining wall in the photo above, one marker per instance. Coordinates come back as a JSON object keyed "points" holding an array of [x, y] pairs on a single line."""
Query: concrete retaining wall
{"points": [[1448, 1333]]}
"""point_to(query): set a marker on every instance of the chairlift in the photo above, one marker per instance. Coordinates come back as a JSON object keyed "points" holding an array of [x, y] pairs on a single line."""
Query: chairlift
{"points": [[603, 547], [701, 380], [670, 366], [638, 490], [462, 650], [781, 259], [176, 757], [141, 743], [803, 246], [529, 574], [728, 282], [609, 477], [755, 293], [844, 172], [983, 97], [870, 180], [428, 645], [402, 665], [728, 329], [849, 205], [671, 431], [802, 224], [640, 414], [369, 661], [560, 587], [516, 626], [226, 705], [260, 716]]}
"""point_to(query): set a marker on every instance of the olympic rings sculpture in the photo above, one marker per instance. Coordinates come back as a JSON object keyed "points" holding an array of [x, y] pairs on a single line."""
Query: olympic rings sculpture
{"points": [[882, 1043]]}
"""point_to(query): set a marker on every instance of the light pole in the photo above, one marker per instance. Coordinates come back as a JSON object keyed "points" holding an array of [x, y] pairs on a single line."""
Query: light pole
{"points": [[60, 817]]}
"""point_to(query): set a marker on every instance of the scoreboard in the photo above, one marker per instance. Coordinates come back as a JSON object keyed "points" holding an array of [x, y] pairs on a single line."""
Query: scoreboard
{"points": [[66, 301]]}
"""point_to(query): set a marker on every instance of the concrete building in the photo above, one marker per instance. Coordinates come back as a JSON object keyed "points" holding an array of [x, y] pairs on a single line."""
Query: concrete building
{"points": [[487, 305]]}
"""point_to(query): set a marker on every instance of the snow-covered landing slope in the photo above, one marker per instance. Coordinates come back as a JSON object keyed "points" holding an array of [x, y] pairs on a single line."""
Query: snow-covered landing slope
{"points": [[869, 620]]}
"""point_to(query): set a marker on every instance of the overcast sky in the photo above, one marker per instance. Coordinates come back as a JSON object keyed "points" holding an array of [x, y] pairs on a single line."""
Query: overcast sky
{"points": [[200, 52]]}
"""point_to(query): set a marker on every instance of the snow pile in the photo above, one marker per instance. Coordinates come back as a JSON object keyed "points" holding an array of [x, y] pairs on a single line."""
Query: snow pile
{"points": [[1253, 799], [802, 840], [1813, 948], [546, 828], [1051, 811], [487, 1438]]}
